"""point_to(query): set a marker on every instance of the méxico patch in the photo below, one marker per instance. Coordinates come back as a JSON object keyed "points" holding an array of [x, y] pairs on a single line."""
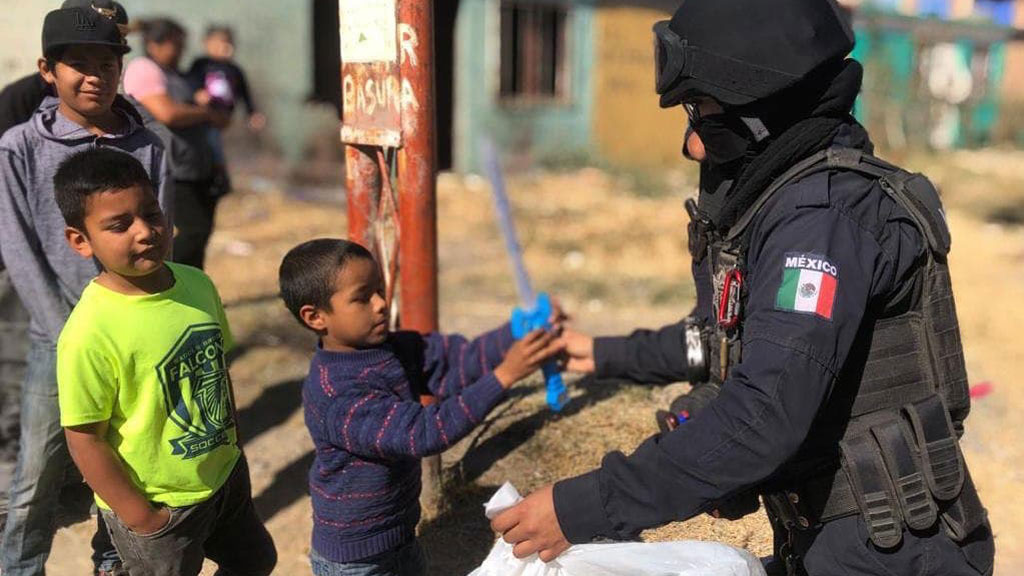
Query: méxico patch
{"points": [[809, 284]]}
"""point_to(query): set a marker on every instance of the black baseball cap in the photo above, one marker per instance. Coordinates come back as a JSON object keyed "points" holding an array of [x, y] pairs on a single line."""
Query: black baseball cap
{"points": [[79, 26]]}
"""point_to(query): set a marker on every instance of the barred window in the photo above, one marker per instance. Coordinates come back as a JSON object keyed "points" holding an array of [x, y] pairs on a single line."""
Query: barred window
{"points": [[533, 51]]}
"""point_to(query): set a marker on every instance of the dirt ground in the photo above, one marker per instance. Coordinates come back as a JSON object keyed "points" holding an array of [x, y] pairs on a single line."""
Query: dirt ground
{"points": [[612, 247]]}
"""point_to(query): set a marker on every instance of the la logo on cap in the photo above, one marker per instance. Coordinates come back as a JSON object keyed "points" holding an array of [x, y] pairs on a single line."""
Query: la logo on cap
{"points": [[83, 22]]}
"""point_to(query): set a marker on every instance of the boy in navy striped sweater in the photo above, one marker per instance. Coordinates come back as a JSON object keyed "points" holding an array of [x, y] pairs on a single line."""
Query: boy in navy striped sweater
{"points": [[361, 402]]}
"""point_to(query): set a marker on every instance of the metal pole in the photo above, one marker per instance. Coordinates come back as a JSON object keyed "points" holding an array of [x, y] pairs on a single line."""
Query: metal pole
{"points": [[417, 208], [417, 167], [363, 185]]}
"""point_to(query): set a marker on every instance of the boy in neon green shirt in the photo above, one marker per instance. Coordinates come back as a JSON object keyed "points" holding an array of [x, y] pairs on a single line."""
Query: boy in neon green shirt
{"points": [[143, 386]]}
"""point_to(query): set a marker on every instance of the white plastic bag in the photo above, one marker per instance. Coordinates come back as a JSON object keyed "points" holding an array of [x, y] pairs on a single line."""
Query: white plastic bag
{"points": [[684, 558]]}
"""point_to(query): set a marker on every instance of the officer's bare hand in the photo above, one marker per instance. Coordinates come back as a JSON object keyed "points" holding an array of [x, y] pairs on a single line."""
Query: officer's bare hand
{"points": [[532, 526], [579, 349], [527, 355]]}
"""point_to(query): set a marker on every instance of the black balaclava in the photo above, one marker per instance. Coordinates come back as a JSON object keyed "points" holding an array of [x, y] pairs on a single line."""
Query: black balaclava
{"points": [[726, 138], [729, 142], [746, 147]]}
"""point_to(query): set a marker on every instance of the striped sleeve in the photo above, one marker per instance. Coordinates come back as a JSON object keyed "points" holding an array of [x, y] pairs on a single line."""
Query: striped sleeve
{"points": [[376, 423], [452, 362]]}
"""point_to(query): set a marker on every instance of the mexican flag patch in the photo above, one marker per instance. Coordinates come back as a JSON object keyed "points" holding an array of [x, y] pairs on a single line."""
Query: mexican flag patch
{"points": [[809, 285]]}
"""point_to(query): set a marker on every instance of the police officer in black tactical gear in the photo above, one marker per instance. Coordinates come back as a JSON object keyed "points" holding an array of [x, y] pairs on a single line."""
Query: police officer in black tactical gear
{"points": [[825, 314]]}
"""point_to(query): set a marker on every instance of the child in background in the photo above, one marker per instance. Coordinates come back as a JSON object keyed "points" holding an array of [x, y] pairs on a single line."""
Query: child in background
{"points": [[361, 401], [143, 385], [220, 83]]}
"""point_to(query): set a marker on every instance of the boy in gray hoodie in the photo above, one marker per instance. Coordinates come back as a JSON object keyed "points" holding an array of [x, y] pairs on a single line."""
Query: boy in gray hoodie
{"points": [[82, 60]]}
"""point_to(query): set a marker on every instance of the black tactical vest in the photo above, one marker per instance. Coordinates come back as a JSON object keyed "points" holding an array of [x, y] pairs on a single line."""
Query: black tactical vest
{"points": [[885, 443]]}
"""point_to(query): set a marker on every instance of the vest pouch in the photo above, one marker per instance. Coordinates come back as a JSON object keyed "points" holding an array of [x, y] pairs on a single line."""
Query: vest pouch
{"points": [[942, 462], [904, 466], [964, 515], [872, 489]]}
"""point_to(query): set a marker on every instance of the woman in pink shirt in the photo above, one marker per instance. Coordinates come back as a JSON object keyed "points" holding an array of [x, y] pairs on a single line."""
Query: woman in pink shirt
{"points": [[155, 82]]}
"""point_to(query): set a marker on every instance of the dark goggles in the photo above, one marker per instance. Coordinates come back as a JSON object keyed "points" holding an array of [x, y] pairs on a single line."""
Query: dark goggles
{"points": [[670, 53]]}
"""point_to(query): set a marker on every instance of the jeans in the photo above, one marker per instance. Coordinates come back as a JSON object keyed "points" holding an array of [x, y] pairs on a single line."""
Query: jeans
{"points": [[43, 464], [13, 350], [39, 475], [405, 561], [223, 528]]}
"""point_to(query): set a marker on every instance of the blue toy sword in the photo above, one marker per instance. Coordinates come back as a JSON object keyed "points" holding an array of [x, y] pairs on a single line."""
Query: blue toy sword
{"points": [[535, 309]]}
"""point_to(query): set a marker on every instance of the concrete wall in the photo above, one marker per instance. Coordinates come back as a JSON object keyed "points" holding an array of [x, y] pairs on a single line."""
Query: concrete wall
{"points": [[524, 132], [274, 41], [21, 27]]}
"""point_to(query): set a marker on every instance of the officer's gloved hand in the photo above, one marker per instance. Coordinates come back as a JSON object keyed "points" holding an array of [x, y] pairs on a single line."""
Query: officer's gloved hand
{"points": [[687, 406]]}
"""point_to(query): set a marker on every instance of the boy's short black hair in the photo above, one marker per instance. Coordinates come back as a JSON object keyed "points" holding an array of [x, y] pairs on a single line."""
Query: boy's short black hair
{"points": [[92, 171], [309, 272]]}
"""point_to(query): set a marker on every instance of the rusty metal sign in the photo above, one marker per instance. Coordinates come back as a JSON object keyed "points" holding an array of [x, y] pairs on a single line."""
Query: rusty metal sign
{"points": [[371, 85]]}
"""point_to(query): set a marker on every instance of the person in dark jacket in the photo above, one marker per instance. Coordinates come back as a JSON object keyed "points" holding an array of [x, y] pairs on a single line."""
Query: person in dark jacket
{"points": [[824, 311], [20, 98]]}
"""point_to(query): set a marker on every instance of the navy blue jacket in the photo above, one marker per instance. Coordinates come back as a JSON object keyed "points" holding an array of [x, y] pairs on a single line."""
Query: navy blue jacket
{"points": [[768, 407]]}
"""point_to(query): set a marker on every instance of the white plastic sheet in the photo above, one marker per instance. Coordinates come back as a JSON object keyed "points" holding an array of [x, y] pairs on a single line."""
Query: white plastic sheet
{"points": [[683, 558]]}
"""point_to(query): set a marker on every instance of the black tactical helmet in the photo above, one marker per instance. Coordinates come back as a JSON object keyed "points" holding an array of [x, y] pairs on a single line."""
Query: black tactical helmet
{"points": [[740, 51]]}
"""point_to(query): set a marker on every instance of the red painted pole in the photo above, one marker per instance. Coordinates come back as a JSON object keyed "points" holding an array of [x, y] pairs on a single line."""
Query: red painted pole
{"points": [[417, 168], [363, 185], [417, 205]]}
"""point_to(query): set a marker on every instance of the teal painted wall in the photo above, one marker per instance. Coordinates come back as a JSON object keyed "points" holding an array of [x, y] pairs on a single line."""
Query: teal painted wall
{"points": [[905, 103], [986, 112], [529, 132]]}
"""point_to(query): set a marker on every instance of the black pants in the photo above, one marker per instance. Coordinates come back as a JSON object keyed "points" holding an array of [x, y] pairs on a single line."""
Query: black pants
{"points": [[842, 547], [194, 209], [224, 528]]}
